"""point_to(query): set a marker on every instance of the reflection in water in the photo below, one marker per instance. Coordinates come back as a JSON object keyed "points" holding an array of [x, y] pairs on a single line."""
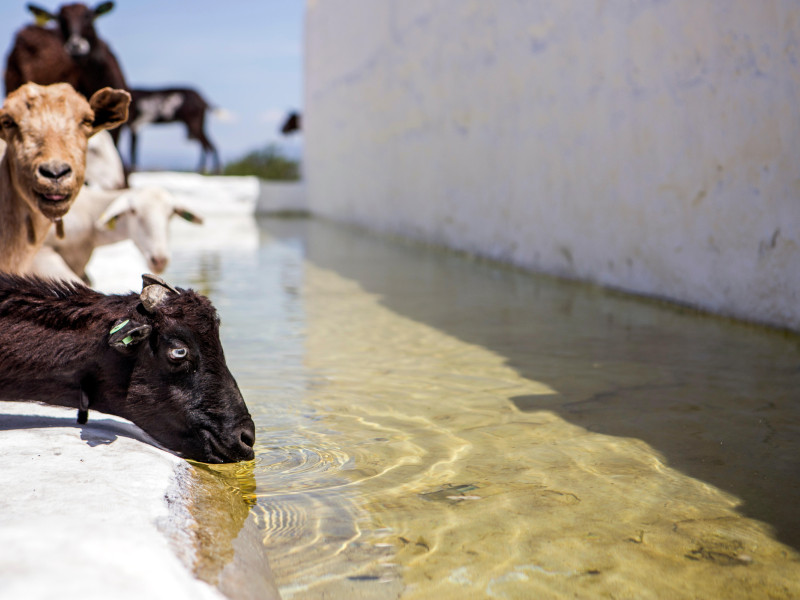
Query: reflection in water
{"points": [[221, 498], [218, 539], [429, 426]]}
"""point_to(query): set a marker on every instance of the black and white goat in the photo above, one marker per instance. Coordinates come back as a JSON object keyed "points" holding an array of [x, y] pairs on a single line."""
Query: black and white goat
{"points": [[172, 105]]}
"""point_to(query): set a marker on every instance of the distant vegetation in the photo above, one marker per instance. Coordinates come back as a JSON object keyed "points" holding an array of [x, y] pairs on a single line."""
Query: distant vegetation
{"points": [[267, 163]]}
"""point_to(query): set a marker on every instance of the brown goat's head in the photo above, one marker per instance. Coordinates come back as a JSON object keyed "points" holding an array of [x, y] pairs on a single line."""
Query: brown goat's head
{"points": [[47, 129], [76, 23], [181, 391]]}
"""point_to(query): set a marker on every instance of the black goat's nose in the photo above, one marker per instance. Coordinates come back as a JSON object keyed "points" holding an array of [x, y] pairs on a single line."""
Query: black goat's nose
{"points": [[248, 437], [54, 170]]}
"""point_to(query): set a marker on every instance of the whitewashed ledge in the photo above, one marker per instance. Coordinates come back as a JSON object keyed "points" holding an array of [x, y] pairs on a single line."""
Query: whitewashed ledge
{"points": [[83, 511], [228, 195], [98, 511]]}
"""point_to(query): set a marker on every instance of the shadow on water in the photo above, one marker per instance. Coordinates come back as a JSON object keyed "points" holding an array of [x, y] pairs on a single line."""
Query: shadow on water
{"points": [[718, 399]]}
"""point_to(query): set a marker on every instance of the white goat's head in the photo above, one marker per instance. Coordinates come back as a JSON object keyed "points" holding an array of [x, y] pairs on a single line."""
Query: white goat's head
{"points": [[143, 215]]}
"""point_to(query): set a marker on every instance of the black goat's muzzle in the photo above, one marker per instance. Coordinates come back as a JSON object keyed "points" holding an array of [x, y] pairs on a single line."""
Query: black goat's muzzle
{"points": [[233, 446]]}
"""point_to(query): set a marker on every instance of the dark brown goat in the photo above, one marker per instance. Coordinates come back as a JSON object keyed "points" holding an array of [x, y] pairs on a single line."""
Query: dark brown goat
{"points": [[154, 358], [171, 105], [292, 123], [71, 53]]}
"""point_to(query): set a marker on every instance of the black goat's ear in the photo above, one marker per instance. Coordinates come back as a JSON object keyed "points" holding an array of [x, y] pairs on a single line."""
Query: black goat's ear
{"points": [[102, 8], [125, 334], [42, 15]]}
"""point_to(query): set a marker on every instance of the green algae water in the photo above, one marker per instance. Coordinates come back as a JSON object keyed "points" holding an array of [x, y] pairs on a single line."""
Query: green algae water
{"points": [[430, 426]]}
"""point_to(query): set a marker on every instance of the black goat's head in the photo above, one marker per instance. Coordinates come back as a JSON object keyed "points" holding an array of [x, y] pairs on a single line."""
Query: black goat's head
{"points": [[76, 23], [181, 391]]}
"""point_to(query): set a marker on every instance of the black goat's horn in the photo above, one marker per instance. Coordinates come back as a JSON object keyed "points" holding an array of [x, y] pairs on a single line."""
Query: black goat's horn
{"points": [[154, 290], [150, 279]]}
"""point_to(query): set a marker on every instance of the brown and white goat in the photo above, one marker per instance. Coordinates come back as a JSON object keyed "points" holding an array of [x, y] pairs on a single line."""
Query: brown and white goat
{"points": [[46, 130]]}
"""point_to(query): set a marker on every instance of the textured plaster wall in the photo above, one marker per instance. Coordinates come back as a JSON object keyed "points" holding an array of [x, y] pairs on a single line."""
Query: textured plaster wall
{"points": [[648, 145]]}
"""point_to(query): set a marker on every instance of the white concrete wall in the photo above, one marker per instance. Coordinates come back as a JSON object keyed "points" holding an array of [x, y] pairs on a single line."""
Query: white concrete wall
{"points": [[648, 145]]}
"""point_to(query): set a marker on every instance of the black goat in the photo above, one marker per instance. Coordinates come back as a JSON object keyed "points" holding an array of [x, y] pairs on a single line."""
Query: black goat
{"points": [[292, 123], [72, 52], [153, 358]]}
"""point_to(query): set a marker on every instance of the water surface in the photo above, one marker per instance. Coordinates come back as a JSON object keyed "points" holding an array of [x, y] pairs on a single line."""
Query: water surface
{"points": [[431, 426]]}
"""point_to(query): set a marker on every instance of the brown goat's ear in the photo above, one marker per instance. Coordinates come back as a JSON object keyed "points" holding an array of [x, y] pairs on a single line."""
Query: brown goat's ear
{"points": [[42, 15], [5, 124], [102, 9], [126, 333], [110, 108]]}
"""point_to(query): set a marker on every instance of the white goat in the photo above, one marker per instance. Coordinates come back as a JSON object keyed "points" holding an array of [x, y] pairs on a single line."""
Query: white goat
{"points": [[101, 217], [103, 163]]}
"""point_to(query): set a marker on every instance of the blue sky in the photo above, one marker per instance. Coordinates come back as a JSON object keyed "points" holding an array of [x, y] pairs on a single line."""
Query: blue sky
{"points": [[245, 57]]}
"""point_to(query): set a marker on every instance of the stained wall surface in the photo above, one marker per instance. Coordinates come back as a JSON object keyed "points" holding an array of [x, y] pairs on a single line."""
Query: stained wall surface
{"points": [[647, 145]]}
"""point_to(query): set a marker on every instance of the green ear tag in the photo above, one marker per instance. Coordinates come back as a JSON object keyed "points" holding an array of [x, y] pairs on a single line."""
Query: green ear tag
{"points": [[112, 223], [116, 328], [127, 340]]}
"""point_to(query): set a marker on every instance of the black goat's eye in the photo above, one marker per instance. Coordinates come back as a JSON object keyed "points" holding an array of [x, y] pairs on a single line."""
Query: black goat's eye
{"points": [[177, 353], [7, 123]]}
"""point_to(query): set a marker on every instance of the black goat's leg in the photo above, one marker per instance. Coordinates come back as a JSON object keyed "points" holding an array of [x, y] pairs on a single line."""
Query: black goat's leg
{"points": [[134, 142], [83, 408], [217, 165], [201, 168]]}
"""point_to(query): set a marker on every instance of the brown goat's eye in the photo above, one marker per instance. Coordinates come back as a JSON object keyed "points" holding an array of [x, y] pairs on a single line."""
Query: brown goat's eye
{"points": [[7, 122], [177, 354]]}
